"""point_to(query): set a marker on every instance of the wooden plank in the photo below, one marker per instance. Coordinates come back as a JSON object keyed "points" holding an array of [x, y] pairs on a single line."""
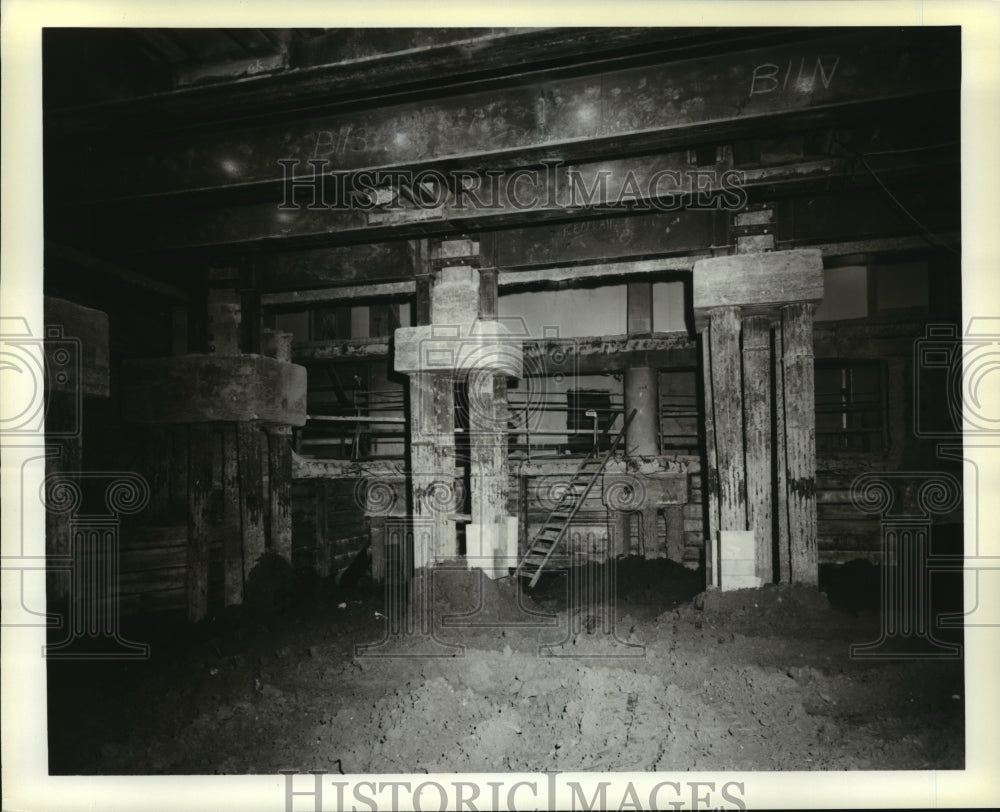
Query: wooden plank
{"points": [[251, 476], [758, 279], [279, 445], [757, 410], [337, 294], [140, 537], [179, 471], [727, 407], [152, 558], [711, 472], [377, 547], [200, 520], [142, 581], [232, 543], [156, 465], [674, 531], [781, 482], [173, 389], [321, 547], [149, 602], [800, 440]]}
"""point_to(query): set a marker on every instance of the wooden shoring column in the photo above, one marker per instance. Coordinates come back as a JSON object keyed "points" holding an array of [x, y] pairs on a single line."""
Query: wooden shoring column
{"points": [[727, 407], [279, 454], [800, 440], [760, 406], [432, 463], [784, 569], [710, 481], [232, 540], [64, 455], [757, 443], [251, 474], [200, 477]]}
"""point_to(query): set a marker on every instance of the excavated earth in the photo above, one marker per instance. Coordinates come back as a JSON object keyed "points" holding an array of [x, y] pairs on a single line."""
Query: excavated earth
{"points": [[649, 675]]}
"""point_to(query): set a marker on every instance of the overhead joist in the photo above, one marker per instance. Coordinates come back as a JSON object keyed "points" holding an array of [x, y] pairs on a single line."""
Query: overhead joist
{"points": [[664, 182], [571, 118], [627, 245], [345, 65], [511, 280]]}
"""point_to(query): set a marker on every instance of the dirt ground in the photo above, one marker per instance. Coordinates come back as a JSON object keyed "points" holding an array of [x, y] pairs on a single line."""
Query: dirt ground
{"points": [[679, 680]]}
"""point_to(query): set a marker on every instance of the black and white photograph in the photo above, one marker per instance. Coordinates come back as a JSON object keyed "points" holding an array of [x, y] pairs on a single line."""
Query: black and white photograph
{"points": [[531, 411]]}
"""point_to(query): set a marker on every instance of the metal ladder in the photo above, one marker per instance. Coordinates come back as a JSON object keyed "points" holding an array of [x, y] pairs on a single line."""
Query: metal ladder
{"points": [[544, 544]]}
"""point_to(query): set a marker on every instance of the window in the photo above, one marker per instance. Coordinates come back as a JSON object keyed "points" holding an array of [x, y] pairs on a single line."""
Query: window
{"points": [[581, 426], [679, 418], [849, 406]]}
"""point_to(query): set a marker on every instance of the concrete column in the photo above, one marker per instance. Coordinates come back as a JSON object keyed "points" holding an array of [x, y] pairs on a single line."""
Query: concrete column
{"points": [[642, 437]]}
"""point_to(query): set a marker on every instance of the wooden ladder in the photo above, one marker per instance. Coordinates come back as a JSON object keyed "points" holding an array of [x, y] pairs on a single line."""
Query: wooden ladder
{"points": [[544, 544]]}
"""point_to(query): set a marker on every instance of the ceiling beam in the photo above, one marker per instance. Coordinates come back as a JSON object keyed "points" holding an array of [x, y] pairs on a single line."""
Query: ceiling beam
{"points": [[662, 182], [80, 260], [322, 74], [570, 118]]}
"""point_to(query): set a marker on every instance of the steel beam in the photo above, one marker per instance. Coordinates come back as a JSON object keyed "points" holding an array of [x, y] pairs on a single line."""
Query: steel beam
{"points": [[576, 117], [654, 183]]}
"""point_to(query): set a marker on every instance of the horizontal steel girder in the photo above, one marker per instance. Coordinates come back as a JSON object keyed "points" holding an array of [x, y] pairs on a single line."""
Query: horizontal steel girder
{"points": [[568, 118]]}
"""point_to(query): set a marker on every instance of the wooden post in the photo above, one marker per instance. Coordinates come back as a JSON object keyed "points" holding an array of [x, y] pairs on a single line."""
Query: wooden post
{"points": [[251, 477], [710, 479], [321, 551], [422, 458], [422, 310], [781, 475], [199, 520], [800, 440], [61, 413], [522, 514], [178, 471], [156, 464], [727, 405], [279, 446], [673, 518], [376, 535], [232, 539], [489, 293], [442, 430], [757, 411], [179, 330]]}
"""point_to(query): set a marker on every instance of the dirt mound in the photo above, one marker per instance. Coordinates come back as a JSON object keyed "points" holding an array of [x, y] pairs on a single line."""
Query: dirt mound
{"points": [[470, 595], [794, 609], [514, 712]]}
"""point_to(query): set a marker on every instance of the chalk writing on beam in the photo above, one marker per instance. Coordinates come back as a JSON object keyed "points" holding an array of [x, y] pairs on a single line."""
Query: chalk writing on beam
{"points": [[339, 141], [797, 75]]}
